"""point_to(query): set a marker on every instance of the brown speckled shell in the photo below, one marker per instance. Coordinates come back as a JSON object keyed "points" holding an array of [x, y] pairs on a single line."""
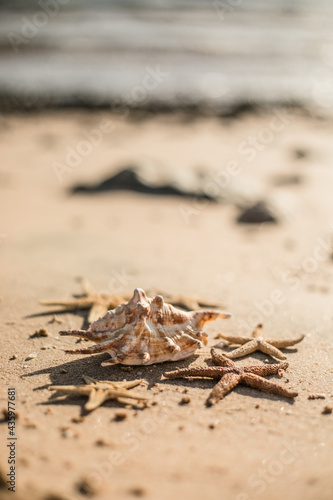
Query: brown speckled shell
{"points": [[144, 331]]}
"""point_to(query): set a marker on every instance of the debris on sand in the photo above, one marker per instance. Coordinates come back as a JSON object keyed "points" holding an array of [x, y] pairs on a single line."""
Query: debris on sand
{"points": [[100, 391], [287, 180], [328, 409], [33, 355], [39, 333], [150, 179], [258, 213]]}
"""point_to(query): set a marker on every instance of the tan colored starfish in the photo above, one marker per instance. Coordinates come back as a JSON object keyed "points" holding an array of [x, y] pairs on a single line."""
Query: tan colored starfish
{"points": [[231, 375], [102, 390], [257, 343], [99, 303]]}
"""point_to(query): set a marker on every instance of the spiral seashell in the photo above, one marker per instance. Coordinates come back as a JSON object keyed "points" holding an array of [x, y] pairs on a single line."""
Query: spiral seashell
{"points": [[144, 331]]}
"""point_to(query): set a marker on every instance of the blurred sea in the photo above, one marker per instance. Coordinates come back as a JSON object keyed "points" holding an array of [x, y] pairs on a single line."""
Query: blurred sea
{"points": [[166, 53]]}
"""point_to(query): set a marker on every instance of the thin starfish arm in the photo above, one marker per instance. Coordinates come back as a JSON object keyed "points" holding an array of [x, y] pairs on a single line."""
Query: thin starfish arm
{"points": [[96, 399], [209, 372], [125, 384], [90, 380], [225, 385], [188, 303], [87, 289], [264, 370], [78, 389], [220, 359], [97, 310], [129, 384], [245, 349], [233, 339], [280, 344], [113, 301], [69, 304], [271, 350], [266, 385], [118, 393], [98, 396], [257, 332]]}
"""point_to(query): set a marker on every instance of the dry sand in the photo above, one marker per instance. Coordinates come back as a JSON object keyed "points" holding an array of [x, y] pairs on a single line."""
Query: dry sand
{"points": [[250, 445]]}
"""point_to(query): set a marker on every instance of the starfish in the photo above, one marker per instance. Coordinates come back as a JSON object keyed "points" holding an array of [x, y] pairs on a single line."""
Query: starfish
{"points": [[102, 390], [231, 375], [99, 303], [257, 343]]}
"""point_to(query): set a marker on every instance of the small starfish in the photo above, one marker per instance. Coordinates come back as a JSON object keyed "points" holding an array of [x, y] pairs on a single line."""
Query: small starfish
{"points": [[102, 390], [257, 343], [99, 303], [231, 375]]}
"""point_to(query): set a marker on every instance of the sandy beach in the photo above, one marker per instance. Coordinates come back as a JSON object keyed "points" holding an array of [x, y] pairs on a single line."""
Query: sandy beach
{"points": [[251, 445]]}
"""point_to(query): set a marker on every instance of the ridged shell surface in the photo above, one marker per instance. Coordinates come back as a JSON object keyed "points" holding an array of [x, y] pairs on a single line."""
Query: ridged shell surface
{"points": [[146, 330]]}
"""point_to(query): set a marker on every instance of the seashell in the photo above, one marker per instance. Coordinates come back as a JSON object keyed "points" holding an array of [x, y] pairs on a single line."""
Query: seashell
{"points": [[144, 331]]}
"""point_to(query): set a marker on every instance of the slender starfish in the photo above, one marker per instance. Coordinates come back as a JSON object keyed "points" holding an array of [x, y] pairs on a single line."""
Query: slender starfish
{"points": [[102, 390], [257, 343], [99, 303], [231, 375]]}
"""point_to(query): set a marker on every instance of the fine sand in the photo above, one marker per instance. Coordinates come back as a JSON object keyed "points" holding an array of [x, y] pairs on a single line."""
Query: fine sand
{"points": [[250, 445]]}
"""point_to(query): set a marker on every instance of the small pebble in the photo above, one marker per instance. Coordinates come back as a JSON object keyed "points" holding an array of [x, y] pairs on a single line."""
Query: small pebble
{"points": [[14, 356], [31, 356], [39, 333], [63, 370], [259, 212], [4, 412], [327, 410], [30, 425], [300, 153], [24, 461], [185, 400], [85, 488], [137, 491], [101, 442], [67, 432], [78, 420], [120, 415]]}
